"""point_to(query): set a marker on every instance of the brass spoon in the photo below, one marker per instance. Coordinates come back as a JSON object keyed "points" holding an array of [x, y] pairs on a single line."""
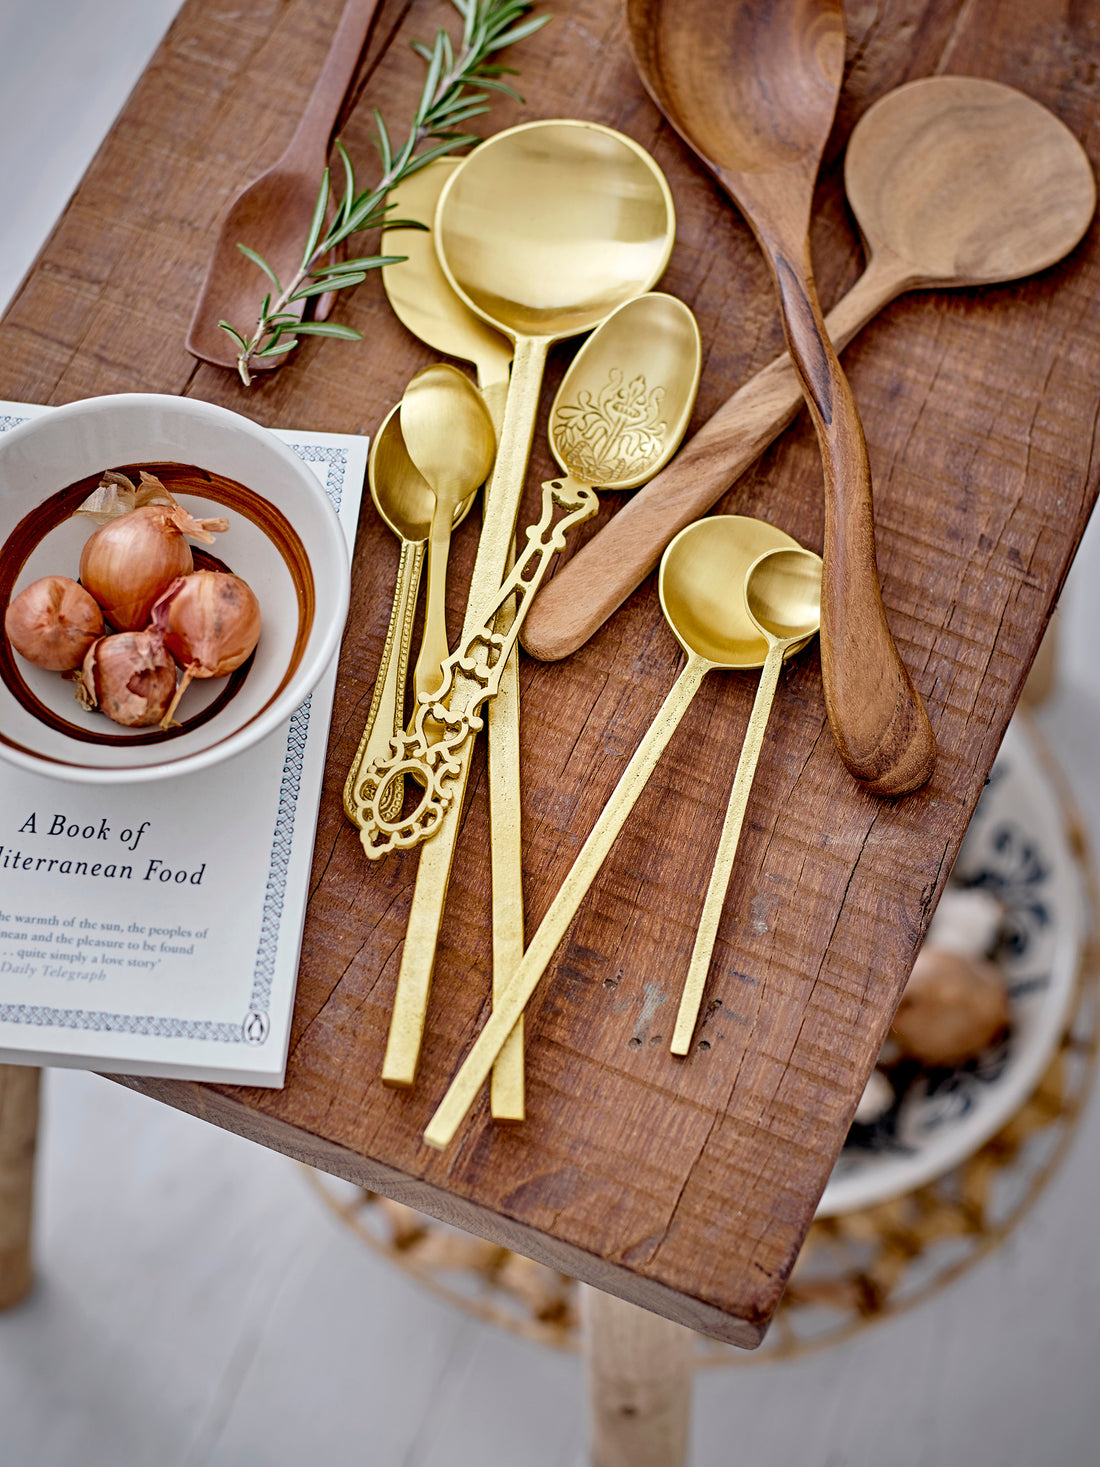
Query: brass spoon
{"points": [[542, 232], [751, 87], [272, 214], [783, 598], [422, 299], [449, 437], [699, 586], [953, 181], [405, 504]]}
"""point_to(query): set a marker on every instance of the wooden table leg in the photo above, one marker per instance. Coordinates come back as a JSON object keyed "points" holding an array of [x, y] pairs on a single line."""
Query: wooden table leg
{"points": [[639, 1383], [18, 1133]]}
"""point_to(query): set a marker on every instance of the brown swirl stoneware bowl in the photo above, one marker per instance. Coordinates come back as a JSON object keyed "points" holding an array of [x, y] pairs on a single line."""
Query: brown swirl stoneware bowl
{"points": [[284, 539]]}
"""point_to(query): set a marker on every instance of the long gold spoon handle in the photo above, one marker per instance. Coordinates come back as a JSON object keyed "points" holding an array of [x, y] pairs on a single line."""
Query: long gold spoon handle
{"points": [[386, 717], [508, 1007], [506, 852], [502, 499], [428, 672], [597, 580], [728, 842]]}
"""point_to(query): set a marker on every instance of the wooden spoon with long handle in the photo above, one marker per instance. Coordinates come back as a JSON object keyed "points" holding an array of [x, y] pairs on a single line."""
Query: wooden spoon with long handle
{"points": [[954, 181], [272, 214], [751, 86]]}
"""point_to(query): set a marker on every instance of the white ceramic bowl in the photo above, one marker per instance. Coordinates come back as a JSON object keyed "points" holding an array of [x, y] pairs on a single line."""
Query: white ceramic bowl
{"points": [[284, 539]]}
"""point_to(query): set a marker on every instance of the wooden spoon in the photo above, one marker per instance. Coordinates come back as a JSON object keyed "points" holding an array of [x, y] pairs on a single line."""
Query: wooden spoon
{"points": [[751, 87], [954, 181], [273, 213]]}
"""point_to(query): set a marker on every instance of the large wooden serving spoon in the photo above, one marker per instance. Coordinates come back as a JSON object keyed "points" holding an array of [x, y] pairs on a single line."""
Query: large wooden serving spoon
{"points": [[272, 214], [954, 181], [751, 86]]}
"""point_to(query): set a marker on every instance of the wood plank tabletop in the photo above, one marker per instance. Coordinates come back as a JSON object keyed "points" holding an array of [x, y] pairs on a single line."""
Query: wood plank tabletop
{"points": [[685, 1185]]}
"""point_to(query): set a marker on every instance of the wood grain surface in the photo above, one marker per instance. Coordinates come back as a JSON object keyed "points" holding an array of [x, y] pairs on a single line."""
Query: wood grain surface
{"points": [[686, 1186]]}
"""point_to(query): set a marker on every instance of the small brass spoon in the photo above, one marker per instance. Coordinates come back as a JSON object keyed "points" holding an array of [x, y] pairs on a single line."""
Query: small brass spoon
{"points": [[450, 439], [699, 586], [783, 598], [404, 503]]}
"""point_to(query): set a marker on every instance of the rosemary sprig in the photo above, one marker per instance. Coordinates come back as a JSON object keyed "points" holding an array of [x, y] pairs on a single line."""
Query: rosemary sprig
{"points": [[457, 87]]}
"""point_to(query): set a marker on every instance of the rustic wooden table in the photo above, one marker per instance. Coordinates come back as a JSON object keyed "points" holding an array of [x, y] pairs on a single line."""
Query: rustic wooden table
{"points": [[686, 1187]]}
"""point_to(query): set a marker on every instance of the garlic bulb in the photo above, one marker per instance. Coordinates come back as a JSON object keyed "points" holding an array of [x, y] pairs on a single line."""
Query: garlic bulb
{"points": [[210, 622], [953, 1007], [53, 622], [968, 921], [129, 676], [128, 562]]}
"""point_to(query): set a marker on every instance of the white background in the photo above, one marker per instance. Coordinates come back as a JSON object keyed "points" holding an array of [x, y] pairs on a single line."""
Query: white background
{"points": [[197, 1305]]}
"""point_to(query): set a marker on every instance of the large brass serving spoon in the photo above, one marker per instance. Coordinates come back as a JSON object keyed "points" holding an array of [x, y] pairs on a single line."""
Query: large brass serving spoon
{"points": [[450, 437], [421, 295], [422, 299], [404, 503], [272, 214], [542, 232], [783, 599], [954, 181], [751, 86], [700, 589]]}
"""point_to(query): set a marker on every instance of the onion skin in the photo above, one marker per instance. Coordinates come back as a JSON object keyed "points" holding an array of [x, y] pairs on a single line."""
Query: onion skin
{"points": [[129, 562], [53, 622], [129, 676]]}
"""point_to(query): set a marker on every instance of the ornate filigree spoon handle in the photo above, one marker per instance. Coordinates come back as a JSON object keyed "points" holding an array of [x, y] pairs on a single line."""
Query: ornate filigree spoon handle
{"points": [[471, 676]]}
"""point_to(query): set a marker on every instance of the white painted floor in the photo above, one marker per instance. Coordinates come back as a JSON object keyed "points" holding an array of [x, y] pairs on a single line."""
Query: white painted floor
{"points": [[199, 1307]]}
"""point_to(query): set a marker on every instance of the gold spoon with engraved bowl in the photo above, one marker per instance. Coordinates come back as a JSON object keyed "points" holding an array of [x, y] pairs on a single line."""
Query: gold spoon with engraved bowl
{"points": [[405, 504], [783, 600], [700, 586], [610, 424]]}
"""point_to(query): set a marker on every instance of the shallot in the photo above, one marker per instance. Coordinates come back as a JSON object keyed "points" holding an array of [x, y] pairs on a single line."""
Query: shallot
{"points": [[53, 622], [210, 622], [129, 676]]}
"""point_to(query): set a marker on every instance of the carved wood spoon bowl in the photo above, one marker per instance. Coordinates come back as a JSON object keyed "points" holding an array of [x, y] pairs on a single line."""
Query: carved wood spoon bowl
{"points": [[272, 214], [751, 86]]}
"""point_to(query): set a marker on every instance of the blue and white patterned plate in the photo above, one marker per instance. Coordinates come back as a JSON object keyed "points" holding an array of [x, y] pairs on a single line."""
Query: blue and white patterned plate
{"points": [[1017, 848]]}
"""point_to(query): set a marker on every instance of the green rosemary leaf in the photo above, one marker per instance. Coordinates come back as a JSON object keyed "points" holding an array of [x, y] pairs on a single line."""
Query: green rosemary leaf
{"points": [[277, 347], [317, 223], [349, 185], [383, 141], [499, 86], [235, 334], [367, 262], [335, 282], [521, 32], [329, 328], [264, 266]]}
